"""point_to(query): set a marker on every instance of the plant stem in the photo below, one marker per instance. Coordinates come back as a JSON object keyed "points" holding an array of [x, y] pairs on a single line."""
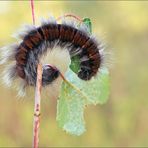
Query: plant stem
{"points": [[33, 12], [73, 86], [37, 107], [72, 16]]}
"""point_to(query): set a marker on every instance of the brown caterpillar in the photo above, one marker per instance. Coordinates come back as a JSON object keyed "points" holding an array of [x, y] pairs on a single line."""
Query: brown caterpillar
{"points": [[37, 41]]}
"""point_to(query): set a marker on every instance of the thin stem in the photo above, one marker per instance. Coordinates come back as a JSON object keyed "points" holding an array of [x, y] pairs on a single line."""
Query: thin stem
{"points": [[36, 122], [37, 107], [73, 86], [72, 16], [33, 12]]}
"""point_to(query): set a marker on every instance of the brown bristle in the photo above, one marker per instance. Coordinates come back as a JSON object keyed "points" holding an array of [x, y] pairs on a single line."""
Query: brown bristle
{"points": [[21, 55], [50, 32], [45, 32], [20, 71], [35, 37], [28, 43], [63, 32], [23, 49], [21, 60], [88, 44], [55, 31], [94, 56], [66, 33], [80, 39]]}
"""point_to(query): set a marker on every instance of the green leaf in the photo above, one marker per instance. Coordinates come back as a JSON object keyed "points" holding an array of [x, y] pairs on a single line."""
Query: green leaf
{"points": [[75, 64], [88, 23], [73, 98], [70, 108], [95, 90]]}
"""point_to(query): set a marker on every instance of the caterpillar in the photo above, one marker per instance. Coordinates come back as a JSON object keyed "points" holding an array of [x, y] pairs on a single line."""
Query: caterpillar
{"points": [[38, 41]]}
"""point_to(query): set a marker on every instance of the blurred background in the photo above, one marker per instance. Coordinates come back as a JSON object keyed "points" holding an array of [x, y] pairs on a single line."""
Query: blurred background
{"points": [[123, 120]]}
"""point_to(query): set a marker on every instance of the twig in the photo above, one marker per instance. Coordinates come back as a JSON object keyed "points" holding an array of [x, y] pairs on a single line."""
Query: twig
{"points": [[33, 14], [36, 122], [37, 107], [73, 86], [72, 16]]}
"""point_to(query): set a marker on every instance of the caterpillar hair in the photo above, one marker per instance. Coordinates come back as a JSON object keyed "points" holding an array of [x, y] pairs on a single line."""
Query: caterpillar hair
{"points": [[36, 42]]}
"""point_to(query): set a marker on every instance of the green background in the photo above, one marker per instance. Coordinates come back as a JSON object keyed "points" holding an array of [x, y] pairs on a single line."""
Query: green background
{"points": [[123, 120]]}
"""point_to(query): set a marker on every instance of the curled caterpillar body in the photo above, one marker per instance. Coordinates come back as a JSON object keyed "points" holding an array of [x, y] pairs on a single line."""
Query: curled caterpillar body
{"points": [[39, 40]]}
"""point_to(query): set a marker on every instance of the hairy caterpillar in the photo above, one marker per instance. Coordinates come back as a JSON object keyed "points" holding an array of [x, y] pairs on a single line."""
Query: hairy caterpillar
{"points": [[37, 41]]}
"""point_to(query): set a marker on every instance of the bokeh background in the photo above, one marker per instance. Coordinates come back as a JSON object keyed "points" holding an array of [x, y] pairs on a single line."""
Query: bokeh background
{"points": [[123, 120]]}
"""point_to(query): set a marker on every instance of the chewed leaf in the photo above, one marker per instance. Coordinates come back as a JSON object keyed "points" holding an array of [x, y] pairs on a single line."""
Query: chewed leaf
{"points": [[70, 110], [96, 90], [75, 94]]}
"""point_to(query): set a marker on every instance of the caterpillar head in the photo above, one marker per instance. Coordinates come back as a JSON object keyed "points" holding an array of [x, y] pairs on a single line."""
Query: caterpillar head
{"points": [[50, 73]]}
